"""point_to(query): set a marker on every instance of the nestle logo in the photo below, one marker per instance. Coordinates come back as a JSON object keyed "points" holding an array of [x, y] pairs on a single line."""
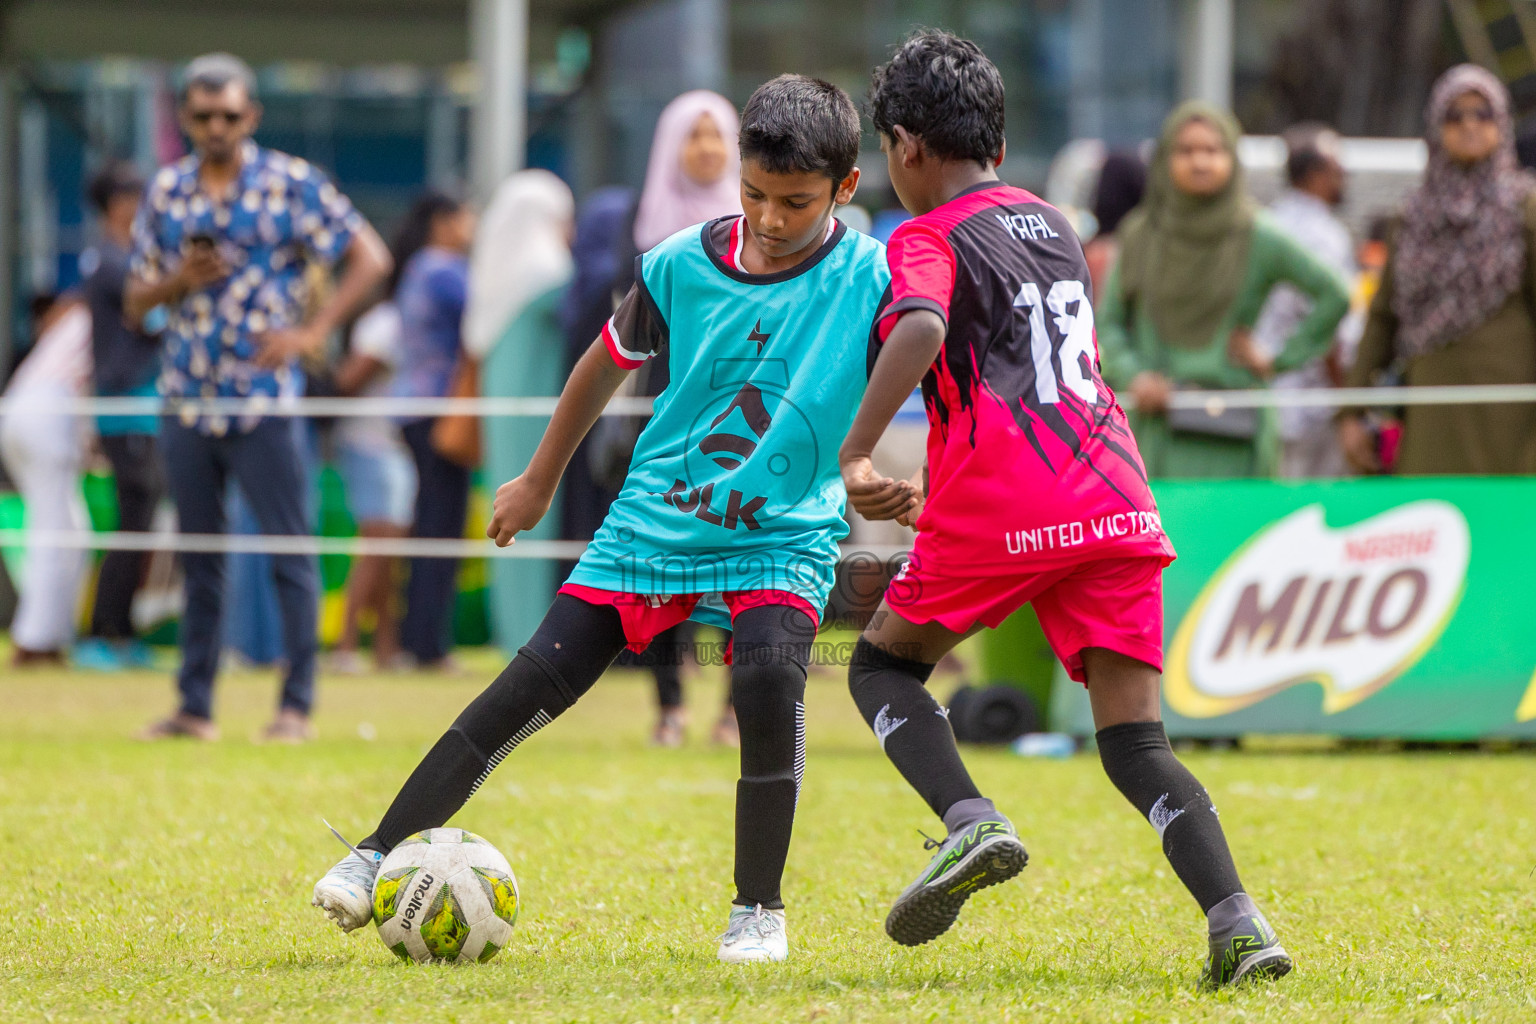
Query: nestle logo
{"points": [[1404, 544]]}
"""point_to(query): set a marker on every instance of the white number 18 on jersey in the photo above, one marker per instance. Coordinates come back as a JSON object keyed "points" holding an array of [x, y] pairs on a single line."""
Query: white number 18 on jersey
{"points": [[1076, 338]]}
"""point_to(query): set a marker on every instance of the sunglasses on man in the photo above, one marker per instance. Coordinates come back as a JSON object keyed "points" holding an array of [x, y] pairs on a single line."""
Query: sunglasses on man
{"points": [[229, 117]]}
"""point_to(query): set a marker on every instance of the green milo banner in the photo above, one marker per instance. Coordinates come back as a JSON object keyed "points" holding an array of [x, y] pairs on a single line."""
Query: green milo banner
{"points": [[1367, 608]]}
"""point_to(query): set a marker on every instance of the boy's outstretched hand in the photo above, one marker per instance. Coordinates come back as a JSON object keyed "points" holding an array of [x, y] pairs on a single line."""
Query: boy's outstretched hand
{"points": [[874, 496], [520, 504], [911, 347]]}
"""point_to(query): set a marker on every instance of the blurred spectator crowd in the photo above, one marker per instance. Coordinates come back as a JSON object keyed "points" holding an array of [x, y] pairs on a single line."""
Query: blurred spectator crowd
{"points": [[241, 272]]}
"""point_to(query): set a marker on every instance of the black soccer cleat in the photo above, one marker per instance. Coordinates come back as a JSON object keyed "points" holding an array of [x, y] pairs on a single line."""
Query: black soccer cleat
{"points": [[1243, 945], [971, 858]]}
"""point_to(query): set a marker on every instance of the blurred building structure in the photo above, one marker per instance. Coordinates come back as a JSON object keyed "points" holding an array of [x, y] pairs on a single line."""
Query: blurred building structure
{"points": [[386, 94]]}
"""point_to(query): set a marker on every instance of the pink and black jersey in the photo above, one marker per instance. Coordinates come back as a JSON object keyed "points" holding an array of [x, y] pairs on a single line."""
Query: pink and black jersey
{"points": [[1031, 464]]}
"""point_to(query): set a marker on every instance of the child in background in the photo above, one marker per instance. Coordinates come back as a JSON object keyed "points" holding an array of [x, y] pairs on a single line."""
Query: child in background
{"points": [[380, 479], [44, 453]]}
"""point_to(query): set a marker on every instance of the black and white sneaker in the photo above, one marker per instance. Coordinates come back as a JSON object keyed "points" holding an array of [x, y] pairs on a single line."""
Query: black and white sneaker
{"points": [[972, 857]]}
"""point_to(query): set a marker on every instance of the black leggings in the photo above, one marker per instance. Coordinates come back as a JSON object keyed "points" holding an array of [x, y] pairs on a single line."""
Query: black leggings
{"points": [[572, 647], [442, 500], [139, 480]]}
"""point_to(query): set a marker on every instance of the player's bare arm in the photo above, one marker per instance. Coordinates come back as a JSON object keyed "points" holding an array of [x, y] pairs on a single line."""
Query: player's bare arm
{"points": [[520, 503], [910, 349]]}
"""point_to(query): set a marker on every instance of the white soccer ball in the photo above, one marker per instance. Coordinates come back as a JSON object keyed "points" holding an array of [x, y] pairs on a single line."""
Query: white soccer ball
{"points": [[445, 894]]}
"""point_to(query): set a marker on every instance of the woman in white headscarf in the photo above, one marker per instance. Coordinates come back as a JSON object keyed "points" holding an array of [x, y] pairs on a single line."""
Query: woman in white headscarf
{"points": [[518, 271]]}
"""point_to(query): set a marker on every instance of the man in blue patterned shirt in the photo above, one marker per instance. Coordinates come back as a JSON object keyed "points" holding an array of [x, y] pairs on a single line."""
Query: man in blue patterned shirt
{"points": [[224, 241]]}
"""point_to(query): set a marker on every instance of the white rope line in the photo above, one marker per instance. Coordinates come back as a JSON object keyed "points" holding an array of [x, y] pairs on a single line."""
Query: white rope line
{"points": [[333, 407], [1214, 401], [1324, 398], [266, 544], [392, 547]]}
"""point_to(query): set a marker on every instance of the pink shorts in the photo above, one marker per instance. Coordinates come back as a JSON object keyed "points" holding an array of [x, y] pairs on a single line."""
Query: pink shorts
{"points": [[1115, 603], [645, 615]]}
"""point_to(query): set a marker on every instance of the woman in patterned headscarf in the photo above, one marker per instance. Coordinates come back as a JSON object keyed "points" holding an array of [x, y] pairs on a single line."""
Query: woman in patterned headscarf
{"points": [[1197, 261], [1455, 303]]}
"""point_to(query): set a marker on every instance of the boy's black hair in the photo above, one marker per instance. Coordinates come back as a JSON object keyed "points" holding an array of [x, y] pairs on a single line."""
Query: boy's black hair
{"points": [[415, 230], [115, 179], [945, 91], [796, 124], [1308, 146], [39, 305]]}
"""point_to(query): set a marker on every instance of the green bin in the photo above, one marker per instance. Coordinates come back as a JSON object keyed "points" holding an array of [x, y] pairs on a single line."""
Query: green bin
{"points": [[1016, 654]]}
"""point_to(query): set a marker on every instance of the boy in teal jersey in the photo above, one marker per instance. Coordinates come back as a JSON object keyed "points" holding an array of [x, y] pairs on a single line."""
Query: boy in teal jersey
{"points": [[732, 509]]}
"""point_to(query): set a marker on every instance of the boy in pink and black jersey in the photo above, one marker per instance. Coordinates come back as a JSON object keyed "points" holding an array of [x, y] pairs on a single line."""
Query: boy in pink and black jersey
{"points": [[1031, 466], [1035, 493]]}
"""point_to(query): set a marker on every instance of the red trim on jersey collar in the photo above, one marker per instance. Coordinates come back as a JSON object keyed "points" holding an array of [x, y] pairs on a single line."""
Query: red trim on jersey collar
{"points": [[733, 245], [975, 199], [738, 240]]}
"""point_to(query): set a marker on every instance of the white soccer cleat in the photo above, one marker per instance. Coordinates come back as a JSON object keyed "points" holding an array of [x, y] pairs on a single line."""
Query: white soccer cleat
{"points": [[754, 935], [346, 891]]}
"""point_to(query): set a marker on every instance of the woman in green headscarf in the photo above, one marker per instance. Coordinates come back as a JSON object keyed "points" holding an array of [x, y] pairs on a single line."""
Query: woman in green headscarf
{"points": [[1197, 261]]}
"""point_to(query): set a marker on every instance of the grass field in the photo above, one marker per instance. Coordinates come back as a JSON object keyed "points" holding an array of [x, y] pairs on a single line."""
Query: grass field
{"points": [[169, 883]]}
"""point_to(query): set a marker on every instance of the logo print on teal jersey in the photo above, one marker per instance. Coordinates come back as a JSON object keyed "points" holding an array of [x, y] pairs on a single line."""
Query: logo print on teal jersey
{"points": [[735, 433], [729, 450], [758, 336]]}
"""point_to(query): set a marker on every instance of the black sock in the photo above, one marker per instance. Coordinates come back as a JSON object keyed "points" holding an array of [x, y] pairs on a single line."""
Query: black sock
{"points": [[912, 729], [572, 647], [1140, 763], [769, 654]]}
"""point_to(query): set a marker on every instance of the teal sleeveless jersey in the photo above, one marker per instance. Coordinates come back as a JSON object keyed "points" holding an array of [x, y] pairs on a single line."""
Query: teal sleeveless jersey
{"points": [[734, 484]]}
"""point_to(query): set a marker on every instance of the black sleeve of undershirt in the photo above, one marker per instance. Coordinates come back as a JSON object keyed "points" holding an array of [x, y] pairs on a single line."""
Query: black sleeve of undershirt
{"points": [[638, 328]]}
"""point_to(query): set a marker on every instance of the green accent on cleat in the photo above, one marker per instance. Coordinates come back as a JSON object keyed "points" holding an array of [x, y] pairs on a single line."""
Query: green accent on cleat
{"points": [[1245, 949], [970, 859]]}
